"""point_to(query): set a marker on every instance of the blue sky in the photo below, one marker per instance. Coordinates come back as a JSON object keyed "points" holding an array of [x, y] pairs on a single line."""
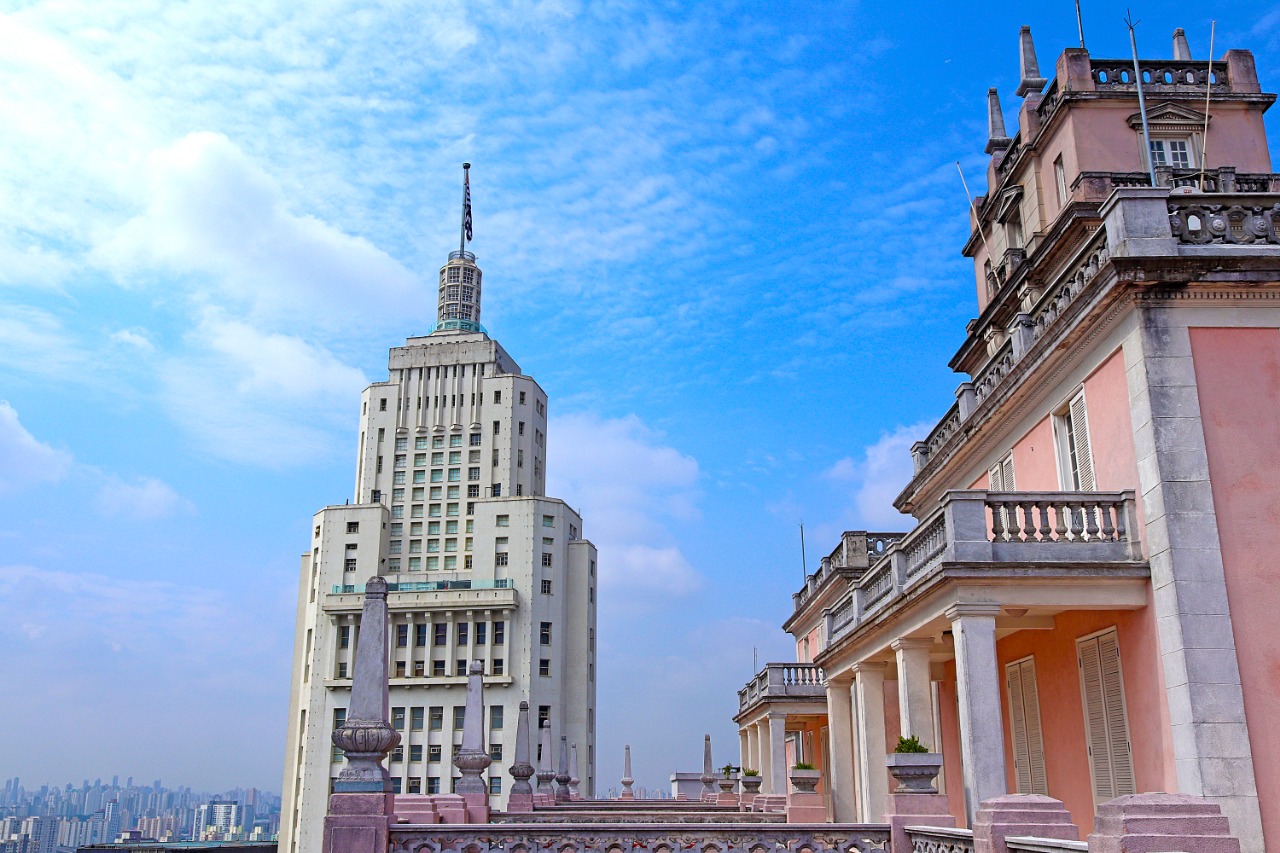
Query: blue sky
{"points": [[723, 236]]}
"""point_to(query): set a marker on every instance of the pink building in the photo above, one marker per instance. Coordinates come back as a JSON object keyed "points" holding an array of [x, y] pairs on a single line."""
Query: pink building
{"points": [[1083, 609]]}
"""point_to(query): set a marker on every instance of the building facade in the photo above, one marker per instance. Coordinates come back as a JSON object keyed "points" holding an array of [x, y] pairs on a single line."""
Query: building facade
{"points": [[1083, 607], [450, 507]]}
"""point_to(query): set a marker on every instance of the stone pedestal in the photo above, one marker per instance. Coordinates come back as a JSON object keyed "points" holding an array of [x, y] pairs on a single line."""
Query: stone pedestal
{"points": [[806, 807], [1020, 814], [519, 803], [416, 809], [452, 808], [1147, 823], [358, 823], [477, 806], [903, 810]]}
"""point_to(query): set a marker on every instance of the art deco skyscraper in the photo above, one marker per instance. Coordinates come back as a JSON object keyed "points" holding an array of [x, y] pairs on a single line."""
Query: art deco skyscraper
{"points": [[450, 508]]}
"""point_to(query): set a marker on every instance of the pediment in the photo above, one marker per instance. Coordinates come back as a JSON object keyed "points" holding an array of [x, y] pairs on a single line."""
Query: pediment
{"points": [[1170, 116], [1008, 203]]}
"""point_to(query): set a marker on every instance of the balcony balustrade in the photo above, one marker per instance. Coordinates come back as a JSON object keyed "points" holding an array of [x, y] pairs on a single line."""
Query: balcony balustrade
{"points": [[783, 681], [975, 526]]}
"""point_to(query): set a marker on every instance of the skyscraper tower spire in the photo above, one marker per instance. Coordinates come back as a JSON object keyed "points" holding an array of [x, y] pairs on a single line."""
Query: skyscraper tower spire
{"points": [[458, 308]]}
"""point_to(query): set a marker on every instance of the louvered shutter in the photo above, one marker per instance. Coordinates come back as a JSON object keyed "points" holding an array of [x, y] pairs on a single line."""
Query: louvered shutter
{"points": [[1080, 437], [995, 477], [1006, 474], [1024, 725], [1106, 720]]}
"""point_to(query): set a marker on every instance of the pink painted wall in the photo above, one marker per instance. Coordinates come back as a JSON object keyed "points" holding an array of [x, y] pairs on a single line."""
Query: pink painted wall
{"points": [[1035, 468], [952, 764], [1238, 381], [1062, 712], [814, 646]]}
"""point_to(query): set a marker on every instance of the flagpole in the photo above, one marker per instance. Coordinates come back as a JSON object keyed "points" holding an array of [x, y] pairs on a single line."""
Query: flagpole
{"points": [[1080, 24], [1142, 101], [1208, 93], [466, 186]]}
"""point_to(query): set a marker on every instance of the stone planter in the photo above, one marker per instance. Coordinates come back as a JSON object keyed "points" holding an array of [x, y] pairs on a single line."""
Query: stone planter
{"points": [[915, 771], [804, 781], [726, 785], [751, 784]]}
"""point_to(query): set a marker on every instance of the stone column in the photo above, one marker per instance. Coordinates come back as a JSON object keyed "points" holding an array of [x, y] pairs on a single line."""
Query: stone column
{"points": [[562, 774], [766, 756], [573, 772], [978, 685], [840, 734], [744, 750], [1188, 580], [627, 781], [752, 758], [362, 805], [915, 689], [708, 770], [545, 773], [778, 752], [471, 758], [521, 797], [874, 778]]}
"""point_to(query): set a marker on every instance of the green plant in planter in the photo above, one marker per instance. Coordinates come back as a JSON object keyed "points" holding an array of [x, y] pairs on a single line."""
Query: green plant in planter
{"points": [[802, 765], [910, 744], [750, 772], [727, 770]]}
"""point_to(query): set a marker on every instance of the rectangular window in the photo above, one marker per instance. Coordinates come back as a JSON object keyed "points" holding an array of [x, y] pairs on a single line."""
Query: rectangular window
{"points": [[433, 784], [436, 717], [522, 398], [419, 668], [548, 521], [546, 587], [353, 527], [437, 475], [420, 443], [437, 458], [481, 633], [433, 752], [401, 460], [462, 628], [495, 753], [544, 714], [397, 719], [400, 669], [1060, 177], [1024, 727], [546, 559], [497, 396], [459, 716], [544, 667], [433, 512], [475, 439], [402, 636], [415, 753], [499, 632], [503, 521], [437, 668], [451, 509], [344, 636], [473, 473], [342, 669], [437, 441], [497, 666], [460, 668], [496, 490], [495, 782], [497, 427], [495, 716], [500, 558], [544, 633], [442, 634], [450, 563], [415, 784], [397, 755], [455, 475], [416, 718], [397, 494], [1105, 716], [1073, 446], [348, 565]]}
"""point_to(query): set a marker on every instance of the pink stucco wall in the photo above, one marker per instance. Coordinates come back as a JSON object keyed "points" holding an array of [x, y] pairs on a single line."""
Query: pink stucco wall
{"points": [[1238, 382], [1035, 467], [1062, 712]]}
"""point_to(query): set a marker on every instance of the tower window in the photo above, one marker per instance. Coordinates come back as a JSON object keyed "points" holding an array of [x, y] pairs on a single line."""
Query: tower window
{"points": [[453, 274]]}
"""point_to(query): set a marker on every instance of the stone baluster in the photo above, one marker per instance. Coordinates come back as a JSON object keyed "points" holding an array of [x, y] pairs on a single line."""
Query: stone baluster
{"points": [[545, 773], [573, 773], [627, 781], [472, 759], [562, 774], [521, 797], [708, 778]]}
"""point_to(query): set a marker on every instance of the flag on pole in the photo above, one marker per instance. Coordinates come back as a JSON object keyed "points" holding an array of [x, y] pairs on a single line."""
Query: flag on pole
{"points": [[466, 205]]}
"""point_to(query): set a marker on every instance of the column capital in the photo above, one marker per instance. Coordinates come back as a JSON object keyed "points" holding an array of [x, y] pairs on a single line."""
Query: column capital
{"points": [[911, 643], [869, 666], [972, 608], [840, 679]]}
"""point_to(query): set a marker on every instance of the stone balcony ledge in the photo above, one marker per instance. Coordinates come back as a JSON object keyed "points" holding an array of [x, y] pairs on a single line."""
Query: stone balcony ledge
{"points": [[783, 682]]}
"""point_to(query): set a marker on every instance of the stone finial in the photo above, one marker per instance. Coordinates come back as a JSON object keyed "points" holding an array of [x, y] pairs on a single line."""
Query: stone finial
{"points": [[627, 781], [366, 737], [545, 773], [997, 139], [522, 769], [471, 758], [1181, 50], [573, 772], [562, 774], [1031, 81], [708, 778]]}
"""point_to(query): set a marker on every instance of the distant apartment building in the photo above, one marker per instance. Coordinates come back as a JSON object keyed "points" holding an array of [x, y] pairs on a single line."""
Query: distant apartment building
{"points": [[450, 507], [1084, 607]]}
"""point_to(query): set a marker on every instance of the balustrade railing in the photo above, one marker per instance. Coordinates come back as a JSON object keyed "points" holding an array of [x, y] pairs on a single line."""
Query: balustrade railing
{"points": [[1244, 219], [975, 526], [1160, 75], [994, 371], [647, 838], [783, 681], [938, 839]]}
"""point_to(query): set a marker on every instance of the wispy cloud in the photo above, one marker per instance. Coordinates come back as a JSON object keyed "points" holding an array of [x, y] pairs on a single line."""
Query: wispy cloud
{"points": [[25, 461], [876, 477]]}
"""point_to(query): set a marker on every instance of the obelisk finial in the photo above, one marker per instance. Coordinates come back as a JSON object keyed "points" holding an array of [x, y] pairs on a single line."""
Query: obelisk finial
{"points": [[471, 758], [997, 139], [1031, 80], [708, 773], [1181, 50], [627, 781], [366, 737]]}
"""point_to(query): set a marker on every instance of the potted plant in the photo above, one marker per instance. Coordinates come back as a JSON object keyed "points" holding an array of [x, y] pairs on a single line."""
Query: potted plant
{"points": [[750, 780], [726, 784], [803, 777], [914, 766]]}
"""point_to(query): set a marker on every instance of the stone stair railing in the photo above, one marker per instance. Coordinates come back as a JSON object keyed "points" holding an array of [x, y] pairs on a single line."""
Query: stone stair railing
{"points": [[729, 837]]}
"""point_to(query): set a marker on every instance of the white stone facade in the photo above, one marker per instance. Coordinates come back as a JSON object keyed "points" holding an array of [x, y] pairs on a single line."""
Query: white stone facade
{"points": [[450, 509]]}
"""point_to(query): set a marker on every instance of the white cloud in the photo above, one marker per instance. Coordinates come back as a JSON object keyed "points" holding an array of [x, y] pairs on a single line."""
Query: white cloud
{"points": [[212, 211], [24, 461], [878, 477], [145, 499], [136, 338], [631, 486]]}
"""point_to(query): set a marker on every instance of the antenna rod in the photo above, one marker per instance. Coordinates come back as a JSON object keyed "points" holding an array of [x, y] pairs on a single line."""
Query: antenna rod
{"points": [[969, 195], [1142, 101], [804, 570], [1080, 24], [466, 206], [1208, 91]]}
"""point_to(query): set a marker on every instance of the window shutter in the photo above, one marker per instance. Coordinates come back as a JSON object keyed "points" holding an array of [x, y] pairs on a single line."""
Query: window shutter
{"points": [[1006, 474], [1028, 743], [1106, 720], [1080, 435], [994, 476]]}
